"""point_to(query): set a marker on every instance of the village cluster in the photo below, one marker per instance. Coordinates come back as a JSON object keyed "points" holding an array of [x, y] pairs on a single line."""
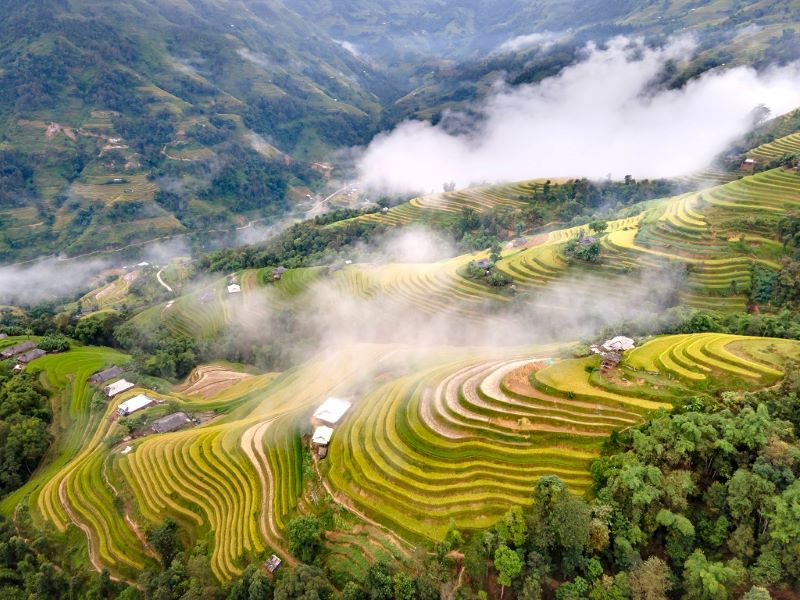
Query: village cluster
{"points": [[23, 353], [136, 403]]}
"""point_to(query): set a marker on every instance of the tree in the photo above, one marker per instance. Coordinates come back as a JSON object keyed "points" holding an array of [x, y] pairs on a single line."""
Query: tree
{"points": [[598, 226], [650, 580], [378, 582], [304, 535], [252, 584], [513, 528], [573, 590], [757, 593], [508, 565], [704, 580], [785, 526], [54, 343], [353, 591], [303, 583], [165, 541], [531, 588], [404, 588]]}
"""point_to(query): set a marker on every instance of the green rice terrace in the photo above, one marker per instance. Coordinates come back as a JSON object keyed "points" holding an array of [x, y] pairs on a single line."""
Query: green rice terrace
{"points": [[714, 239], [432, 436]]}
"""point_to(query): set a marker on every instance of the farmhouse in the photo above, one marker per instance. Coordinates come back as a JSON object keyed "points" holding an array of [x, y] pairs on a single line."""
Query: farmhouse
{"points": [[24, 359], [117, 388], [278, 273], [234, 288], [320, 440], [611, 351], [273, 564], [610, 361], [105, 375], [749, 164], [331, 411], [18, 349], [170, 422], [619, 343], [131, 405]]}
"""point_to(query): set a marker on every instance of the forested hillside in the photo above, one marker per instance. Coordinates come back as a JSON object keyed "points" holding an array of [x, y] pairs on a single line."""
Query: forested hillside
{"points": [[127, 121]]}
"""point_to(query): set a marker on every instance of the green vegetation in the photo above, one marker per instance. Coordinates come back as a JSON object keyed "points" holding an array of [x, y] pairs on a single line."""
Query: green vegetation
{"points": [[24, 435], [691, 504], [468, 466]]}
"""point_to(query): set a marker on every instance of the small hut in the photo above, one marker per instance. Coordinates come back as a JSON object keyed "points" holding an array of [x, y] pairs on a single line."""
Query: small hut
{"points": [[610, 361], [171, 422], [320, 440], [134, 404], [278, 273], [105, 375], [117, 387], [18, 349], [24, 359], [273, 564]]}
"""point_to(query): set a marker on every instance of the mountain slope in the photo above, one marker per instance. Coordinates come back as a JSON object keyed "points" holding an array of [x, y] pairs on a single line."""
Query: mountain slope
{"points": [[121, 122]]}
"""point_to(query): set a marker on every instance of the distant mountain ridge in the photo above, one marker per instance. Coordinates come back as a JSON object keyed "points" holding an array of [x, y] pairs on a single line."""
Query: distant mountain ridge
{"points": [[122, 122]]}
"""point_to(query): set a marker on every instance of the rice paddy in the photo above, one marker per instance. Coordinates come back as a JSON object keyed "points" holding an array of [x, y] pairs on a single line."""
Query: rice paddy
{"points": [[433, 436]]}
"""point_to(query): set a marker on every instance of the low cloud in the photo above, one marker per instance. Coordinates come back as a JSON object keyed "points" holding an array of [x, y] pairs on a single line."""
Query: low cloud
{"points": [[541, 41], [257, 58], [403, 303], [46, 279], [604, 115], [351, 48]]}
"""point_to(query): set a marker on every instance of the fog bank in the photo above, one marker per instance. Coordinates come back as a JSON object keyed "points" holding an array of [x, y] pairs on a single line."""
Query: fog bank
{"points": [[602, 116]]}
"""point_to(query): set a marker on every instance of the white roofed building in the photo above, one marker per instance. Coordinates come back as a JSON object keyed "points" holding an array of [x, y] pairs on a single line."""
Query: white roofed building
{"points": [[619, 343], [131, 405], [234, 288], [322, 436], [331, 411], [117, 387]]}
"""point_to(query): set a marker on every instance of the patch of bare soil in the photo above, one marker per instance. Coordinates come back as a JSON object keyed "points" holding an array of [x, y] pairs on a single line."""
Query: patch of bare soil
{"points": [[207, 381]]}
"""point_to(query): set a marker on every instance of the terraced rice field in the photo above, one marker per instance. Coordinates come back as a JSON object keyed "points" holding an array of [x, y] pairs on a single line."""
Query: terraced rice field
{"points": [[102, 188], [352, 551], [447, 204], [789, 144], [467, 440], [432, 436], [69, 488], [203, 477], [716, 235]]}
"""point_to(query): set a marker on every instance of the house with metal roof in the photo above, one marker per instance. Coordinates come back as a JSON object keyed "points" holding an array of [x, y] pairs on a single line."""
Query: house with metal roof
{"points": [[18, 349], [117, 388], [106, 375], [331, 411], [131, 405], [24, 359], [171, 422]]}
